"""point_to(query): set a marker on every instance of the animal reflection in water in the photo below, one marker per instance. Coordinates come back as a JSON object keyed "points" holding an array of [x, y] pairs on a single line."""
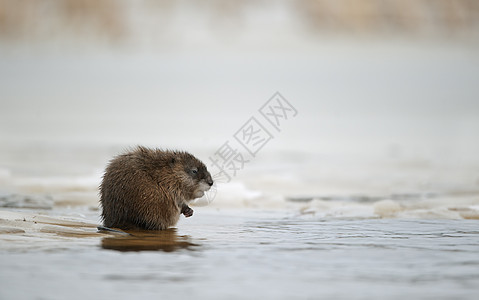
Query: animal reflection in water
{"points": [[146, 240]]}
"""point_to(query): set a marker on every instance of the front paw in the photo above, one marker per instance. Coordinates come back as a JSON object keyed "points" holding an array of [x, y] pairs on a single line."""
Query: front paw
{"points": [[187, 211]]}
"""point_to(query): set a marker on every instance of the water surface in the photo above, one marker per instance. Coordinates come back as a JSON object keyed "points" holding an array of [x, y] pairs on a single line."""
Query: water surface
{"points": [[247, 254]]}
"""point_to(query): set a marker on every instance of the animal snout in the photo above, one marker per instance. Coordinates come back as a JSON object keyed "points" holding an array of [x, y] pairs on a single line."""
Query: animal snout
{"points": [[209, 181]]}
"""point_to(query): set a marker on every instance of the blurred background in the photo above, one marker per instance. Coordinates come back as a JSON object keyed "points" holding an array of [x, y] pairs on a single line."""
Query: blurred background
{"points": [[387, 92]]}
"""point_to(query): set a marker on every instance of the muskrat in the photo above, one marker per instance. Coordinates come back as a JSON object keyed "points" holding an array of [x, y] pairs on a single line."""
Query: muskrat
{"points": [[150, 188]]}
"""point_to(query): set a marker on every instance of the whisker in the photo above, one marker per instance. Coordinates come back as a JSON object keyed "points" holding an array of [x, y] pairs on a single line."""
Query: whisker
{"points": [[210, 195], [221, 178]]}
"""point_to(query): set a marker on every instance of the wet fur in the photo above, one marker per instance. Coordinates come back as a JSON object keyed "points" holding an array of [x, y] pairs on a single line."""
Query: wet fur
{"points": [[150, 188]]}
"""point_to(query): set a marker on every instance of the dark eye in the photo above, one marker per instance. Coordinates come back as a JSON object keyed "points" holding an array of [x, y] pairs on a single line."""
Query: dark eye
{"points": [[194, 171]]}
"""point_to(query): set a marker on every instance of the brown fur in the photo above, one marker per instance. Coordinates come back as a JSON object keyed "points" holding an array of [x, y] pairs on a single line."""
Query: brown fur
{"points": [[149, 189]]}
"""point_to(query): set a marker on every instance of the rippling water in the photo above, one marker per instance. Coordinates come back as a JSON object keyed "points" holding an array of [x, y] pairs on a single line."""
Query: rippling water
{"points": [[238, 254]]}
